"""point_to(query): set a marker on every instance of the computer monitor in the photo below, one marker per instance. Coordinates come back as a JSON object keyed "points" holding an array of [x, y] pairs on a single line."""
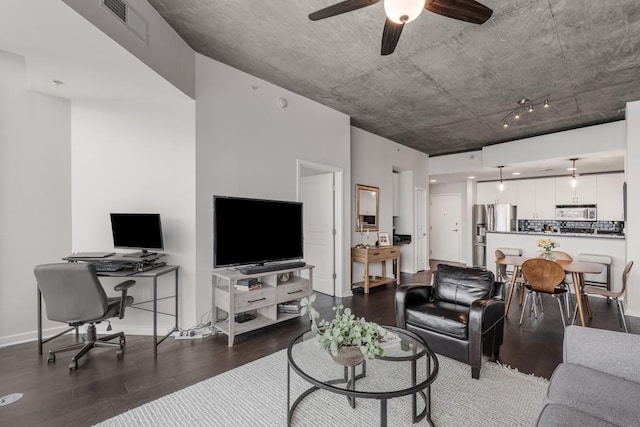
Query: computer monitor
{"points": [[137, 231]]}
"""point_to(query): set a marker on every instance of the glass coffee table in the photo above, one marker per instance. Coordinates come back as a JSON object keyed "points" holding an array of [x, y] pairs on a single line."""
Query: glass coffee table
{"points": [[408, 367]]}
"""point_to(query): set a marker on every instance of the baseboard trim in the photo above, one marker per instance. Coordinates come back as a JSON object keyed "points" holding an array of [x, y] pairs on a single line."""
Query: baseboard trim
{"points": [[32, 336]]}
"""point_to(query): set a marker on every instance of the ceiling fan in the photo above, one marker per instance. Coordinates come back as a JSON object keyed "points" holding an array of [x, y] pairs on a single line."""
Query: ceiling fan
{"points": [[400, 12]]}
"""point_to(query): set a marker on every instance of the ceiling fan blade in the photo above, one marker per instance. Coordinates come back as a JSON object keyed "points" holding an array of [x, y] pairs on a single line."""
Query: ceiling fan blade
{"points": [[390, 36], [463, 10], [339, 8]]}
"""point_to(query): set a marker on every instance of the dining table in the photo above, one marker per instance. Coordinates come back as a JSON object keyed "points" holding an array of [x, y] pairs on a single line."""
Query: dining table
{"points": [[577, 269]]}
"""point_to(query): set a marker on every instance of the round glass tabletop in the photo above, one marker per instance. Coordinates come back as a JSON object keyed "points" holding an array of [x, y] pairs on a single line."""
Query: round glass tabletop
{"points": [[407, 366]]}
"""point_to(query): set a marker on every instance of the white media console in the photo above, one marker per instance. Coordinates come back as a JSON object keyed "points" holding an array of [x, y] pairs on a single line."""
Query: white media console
{"points": [[262, 302]]}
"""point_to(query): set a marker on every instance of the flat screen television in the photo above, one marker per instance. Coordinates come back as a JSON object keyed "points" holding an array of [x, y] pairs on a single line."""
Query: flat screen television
{"points": [[137, 231], [255, 231]]}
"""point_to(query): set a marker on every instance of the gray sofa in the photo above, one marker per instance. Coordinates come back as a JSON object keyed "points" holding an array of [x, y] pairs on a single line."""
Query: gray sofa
{"points": [[598, 383]]}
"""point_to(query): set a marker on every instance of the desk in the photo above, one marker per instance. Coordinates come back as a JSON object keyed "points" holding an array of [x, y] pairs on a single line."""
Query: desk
{"points": [[576, 268], [152, 274], [376, 254]]}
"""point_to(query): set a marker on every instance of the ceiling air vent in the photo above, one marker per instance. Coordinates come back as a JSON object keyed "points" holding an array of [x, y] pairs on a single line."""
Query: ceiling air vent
{"points": [[128, 16]]}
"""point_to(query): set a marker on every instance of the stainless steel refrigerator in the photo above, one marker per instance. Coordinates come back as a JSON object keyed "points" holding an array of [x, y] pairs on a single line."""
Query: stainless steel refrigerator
{"points": [[499, 217]]}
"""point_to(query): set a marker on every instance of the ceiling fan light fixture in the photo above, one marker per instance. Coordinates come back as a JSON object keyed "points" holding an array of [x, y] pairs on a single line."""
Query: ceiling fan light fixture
{"points": [[403, 11], [546, 103], [530, 108], [517, 116], [505, 124]]}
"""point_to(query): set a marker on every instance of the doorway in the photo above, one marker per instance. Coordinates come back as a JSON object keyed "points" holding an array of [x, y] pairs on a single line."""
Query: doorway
{"points": [[445, 230], [320, 191]]}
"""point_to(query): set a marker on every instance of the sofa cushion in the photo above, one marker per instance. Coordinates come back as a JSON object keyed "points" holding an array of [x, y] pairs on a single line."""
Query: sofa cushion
{"points": [[440, 316], [600, 395], [461, 285], [555, 415]]}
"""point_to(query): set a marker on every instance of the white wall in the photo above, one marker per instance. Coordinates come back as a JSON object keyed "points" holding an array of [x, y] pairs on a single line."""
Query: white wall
{"points": [[373, 160], [248, 146], [35, 194], [587, 140], [164, 51], [138, 157], [632, 176]]}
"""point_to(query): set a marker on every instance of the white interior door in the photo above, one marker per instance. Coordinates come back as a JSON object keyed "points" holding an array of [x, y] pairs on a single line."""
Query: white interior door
{"points": [[444, 236], [317, 196], [421, 229]]}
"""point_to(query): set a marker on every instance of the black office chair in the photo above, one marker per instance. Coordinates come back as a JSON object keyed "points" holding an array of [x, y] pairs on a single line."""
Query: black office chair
{"points": [[73, 295]]}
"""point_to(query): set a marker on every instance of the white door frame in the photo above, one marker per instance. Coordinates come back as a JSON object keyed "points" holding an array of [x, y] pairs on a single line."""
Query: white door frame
{"points": [[459, 196], [427, 213], [338, 211]]}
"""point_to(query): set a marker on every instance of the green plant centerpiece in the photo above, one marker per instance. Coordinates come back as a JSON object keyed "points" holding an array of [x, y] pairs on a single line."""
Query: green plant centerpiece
{"points": [[345, 333], [547, 245]]}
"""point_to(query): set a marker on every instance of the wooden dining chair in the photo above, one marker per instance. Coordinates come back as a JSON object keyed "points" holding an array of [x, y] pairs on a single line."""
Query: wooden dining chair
{"points": [[597, 290], [543, 276], [563, 256], [505, 276]]}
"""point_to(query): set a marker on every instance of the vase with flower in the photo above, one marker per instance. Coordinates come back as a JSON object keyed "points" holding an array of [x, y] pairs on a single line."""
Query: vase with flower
{"points": [[547, 245]]}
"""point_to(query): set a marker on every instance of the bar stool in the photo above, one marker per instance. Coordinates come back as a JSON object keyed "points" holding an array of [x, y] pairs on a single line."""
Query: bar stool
{"points": [[597, 279], [509, 252]]}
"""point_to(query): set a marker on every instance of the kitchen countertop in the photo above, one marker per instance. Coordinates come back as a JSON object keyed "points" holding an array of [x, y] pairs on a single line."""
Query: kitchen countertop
{"points": [[542, 233]]}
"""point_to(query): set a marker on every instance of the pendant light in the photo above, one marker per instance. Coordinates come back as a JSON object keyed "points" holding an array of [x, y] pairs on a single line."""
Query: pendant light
{"points": [[500, 184], [574, 180]]}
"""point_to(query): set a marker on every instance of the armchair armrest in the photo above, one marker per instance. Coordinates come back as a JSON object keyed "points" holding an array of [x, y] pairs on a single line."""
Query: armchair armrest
{"points": [[485, 314], [614, 353], [123, 287], [409, 295]]}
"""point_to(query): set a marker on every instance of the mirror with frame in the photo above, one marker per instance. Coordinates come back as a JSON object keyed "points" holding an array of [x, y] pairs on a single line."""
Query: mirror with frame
{"points": [[366, 208]]}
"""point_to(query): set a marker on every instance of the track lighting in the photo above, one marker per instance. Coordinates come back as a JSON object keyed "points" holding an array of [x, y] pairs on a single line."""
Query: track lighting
{"points": [[525, 103]]}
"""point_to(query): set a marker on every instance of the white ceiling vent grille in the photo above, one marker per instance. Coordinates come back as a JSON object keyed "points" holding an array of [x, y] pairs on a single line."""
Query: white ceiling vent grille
{"points": [[128, 16]]}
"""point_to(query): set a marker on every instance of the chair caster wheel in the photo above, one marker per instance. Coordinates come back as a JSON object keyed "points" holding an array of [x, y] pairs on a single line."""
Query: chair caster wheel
{"points": [[120, 352], [73, 366], [51, 358]]}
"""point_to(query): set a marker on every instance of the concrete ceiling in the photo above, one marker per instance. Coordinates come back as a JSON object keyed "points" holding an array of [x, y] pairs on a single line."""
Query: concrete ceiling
{"points": [[449, 84]]}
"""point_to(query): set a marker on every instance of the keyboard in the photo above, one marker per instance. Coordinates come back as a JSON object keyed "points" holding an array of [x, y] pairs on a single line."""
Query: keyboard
{"points": [[108, 267]]}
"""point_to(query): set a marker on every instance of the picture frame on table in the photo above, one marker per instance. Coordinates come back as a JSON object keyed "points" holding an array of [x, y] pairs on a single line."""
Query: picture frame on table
{"points": [[383, 239]]}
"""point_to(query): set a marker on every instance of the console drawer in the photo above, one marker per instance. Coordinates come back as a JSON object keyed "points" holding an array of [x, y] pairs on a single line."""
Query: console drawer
{"points": [[251, 300], [383, 253], [291, 291]]}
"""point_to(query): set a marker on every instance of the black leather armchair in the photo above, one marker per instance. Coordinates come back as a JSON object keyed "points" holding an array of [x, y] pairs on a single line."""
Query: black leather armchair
{"points": [[461, 315]]}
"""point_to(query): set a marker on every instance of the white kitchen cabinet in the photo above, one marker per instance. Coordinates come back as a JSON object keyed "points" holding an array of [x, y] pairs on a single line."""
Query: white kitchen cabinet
{"points": [[583, 193], [488, 193], [526, 199], [545, 198], [609, 197], [536, 198]]}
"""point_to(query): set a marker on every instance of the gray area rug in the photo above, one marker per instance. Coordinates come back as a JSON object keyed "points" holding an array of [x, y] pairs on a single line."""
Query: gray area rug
{"points": [[256, 395]]}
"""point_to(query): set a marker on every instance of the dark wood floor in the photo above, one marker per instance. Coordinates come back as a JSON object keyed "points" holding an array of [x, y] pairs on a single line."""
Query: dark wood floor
{"points": [[105, 386]]}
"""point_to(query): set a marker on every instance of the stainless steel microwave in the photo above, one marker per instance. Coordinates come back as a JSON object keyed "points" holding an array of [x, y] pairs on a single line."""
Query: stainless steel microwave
{"points": [[576, 212]]}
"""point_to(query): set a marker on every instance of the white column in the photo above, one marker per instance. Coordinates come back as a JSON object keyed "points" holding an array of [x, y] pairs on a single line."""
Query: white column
{"points": [[632, 175]]}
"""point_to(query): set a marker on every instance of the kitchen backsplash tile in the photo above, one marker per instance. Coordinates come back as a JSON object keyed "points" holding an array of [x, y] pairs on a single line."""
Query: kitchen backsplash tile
{"points": [[608, 227]]}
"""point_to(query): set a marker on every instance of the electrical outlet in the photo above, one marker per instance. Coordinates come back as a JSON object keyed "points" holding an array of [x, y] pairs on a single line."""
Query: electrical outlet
{"points": [[186, 337]]}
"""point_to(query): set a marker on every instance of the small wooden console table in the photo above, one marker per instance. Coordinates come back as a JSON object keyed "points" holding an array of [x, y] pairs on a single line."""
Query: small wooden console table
{"points": [[376, 254]]}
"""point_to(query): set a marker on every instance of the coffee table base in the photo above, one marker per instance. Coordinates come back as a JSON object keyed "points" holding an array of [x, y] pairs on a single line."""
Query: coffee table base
{"points": [[350, 380]]}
